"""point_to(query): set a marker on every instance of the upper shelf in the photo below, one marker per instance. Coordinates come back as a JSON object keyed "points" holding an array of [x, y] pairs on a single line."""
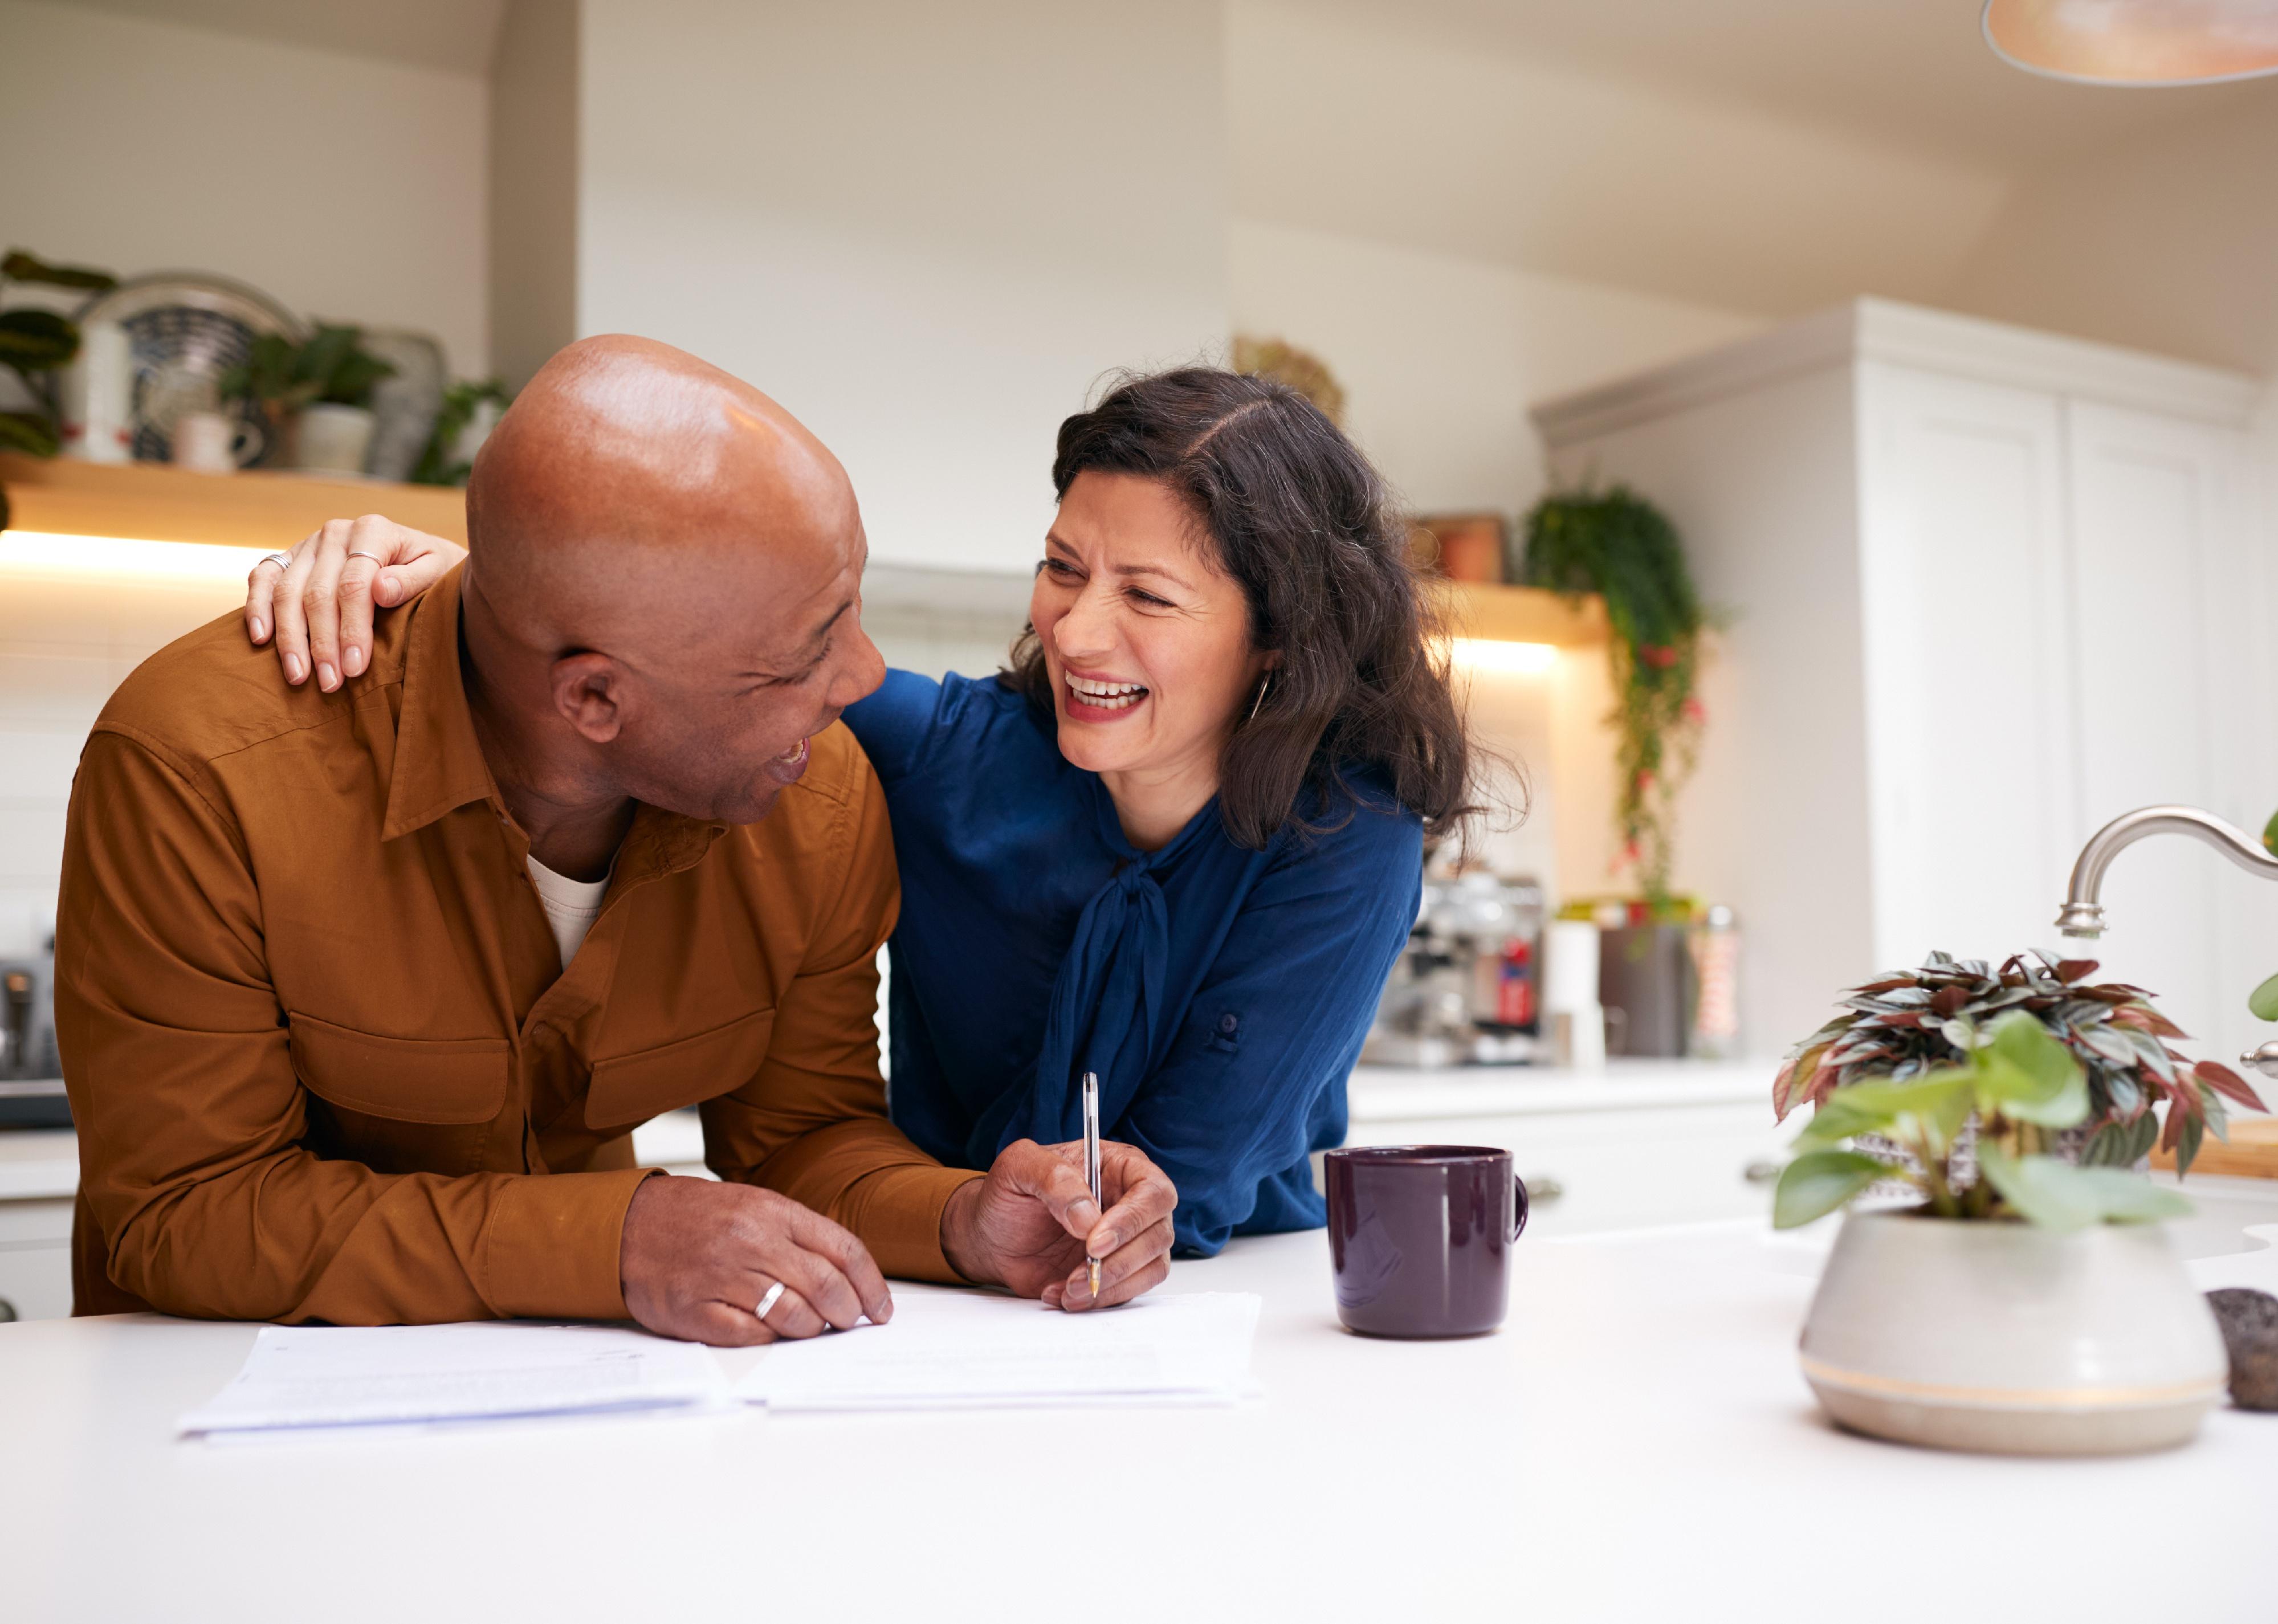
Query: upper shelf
{"points": [[148, 501], [1525, 615]]}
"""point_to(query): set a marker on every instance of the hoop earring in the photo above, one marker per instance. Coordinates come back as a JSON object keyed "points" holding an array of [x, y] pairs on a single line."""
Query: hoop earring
{"points": [[1264, 683]]}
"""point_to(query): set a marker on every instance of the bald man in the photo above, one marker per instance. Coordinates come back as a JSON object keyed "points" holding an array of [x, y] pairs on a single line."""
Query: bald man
{"points": [[363, 985]]}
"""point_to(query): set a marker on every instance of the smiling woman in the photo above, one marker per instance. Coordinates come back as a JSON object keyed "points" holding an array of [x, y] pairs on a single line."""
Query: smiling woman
{"points": [[1178, 842]]}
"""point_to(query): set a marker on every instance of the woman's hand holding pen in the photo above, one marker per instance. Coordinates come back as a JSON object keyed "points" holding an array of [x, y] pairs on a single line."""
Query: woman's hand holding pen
{"points": [[1029, 1224]]}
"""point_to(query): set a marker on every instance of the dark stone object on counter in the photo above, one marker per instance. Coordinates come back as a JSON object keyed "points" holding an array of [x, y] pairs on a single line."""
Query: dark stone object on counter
{"points": [[2250, 1331]]}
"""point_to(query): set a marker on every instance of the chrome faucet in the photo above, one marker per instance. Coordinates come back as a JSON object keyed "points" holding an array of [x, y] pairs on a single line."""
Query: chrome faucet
{"points": [[2081, 917]]}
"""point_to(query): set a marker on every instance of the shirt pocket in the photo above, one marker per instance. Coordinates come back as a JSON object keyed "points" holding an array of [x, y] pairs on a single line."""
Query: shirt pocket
{"points": [[629, 1089], [401, 1104]]}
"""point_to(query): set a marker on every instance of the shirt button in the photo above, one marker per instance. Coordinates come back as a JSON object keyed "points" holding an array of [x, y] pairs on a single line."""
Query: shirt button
{"points": [[1227, 1023]]}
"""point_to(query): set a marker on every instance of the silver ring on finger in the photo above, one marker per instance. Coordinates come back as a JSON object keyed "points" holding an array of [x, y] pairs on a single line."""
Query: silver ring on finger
{"points": [[283, 560], [774, 1296], [360, 553]]}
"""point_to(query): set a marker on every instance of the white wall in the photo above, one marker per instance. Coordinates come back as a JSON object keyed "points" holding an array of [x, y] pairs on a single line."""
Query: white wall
{"points": [[1440, 356], [533, 188], [347, 187], [927, 230]]}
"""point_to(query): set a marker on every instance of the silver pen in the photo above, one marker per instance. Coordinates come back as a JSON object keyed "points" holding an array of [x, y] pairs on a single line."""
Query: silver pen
{"points": [[1091, 1162]]}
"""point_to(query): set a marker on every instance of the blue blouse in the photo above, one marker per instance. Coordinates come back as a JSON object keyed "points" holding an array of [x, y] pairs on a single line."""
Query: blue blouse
{"points": [[1221, 994]]}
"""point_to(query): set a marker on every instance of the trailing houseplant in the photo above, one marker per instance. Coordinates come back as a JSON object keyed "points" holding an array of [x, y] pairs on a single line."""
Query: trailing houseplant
{"points": [[1618, 544], [1904, 1026], [36, 344]]}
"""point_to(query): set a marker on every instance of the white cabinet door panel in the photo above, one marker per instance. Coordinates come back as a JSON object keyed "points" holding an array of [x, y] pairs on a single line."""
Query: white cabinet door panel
{"points": [[1967, 653], [2164, 604]]}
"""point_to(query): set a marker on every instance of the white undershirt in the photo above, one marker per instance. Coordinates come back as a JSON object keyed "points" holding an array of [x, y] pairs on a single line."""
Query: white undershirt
{"points": [[570, 905]]}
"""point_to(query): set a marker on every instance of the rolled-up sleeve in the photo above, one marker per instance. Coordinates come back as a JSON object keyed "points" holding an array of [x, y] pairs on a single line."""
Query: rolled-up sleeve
{"points": [[812, 1123], [192, 1120]]}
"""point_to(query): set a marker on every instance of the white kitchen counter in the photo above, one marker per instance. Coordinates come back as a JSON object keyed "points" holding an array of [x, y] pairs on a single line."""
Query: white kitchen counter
{"points": [[1635, 1445]]}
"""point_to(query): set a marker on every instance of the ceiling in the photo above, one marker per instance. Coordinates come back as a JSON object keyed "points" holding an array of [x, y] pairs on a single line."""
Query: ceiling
{"points": [[1913, 75], [456, 35]]}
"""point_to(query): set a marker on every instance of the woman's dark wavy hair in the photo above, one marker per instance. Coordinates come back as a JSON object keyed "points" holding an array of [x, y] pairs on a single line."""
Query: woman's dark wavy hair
{"points": [[1295, 513]]}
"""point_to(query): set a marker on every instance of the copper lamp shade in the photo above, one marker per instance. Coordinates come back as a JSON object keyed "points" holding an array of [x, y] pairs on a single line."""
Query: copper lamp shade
{"points": [[2137, 41]]}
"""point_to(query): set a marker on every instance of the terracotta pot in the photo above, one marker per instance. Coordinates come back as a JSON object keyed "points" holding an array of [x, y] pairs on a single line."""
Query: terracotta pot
{"points": [[2010, 1338]]}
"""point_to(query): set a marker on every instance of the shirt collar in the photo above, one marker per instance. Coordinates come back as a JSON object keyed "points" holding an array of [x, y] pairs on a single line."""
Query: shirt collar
{"points": [[439, 762]]}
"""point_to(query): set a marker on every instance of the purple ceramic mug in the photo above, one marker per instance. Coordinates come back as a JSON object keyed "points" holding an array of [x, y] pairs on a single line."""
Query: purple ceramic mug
{"points": [[1419, 1238]]}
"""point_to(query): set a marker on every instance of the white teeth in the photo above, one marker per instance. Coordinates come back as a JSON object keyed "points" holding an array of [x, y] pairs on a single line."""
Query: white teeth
{"points": [[1107, 696]]}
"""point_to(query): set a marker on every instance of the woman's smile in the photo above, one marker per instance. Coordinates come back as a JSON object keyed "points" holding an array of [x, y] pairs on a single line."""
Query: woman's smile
{"points": [[1101, 698]]}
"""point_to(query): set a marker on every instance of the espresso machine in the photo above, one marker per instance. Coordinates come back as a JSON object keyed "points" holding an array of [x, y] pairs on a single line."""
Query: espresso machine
{"points": [[31, 1072], [1466, 989]]}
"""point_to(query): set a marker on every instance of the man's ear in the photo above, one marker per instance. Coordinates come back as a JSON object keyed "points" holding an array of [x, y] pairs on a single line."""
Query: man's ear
{"points": [[589, 691]]}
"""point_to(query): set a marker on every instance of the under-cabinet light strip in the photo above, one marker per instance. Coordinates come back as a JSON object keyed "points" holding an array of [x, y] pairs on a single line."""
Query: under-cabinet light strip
{"points": [[51, 554], [1493, 654]]}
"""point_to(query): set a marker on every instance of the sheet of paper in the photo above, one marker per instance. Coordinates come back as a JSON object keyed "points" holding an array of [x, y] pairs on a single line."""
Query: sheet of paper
{"points": [[950, 1350], [306, 1376]]}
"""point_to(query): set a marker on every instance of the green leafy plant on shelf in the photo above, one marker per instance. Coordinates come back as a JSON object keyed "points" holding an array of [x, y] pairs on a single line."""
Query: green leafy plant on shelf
{"points": [[2015, 1088], [1904, 1026], [439, 463], [1618, 544], [36, 344], [282, 377]]}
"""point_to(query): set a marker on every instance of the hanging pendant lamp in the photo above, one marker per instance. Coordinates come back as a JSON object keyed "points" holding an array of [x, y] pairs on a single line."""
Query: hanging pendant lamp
{"points": [[2137, 41]]}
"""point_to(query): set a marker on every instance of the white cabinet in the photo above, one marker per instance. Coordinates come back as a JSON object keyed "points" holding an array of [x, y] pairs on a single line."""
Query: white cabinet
{"points": [[1985, 589], [35, 1258], [1641, 1143]]}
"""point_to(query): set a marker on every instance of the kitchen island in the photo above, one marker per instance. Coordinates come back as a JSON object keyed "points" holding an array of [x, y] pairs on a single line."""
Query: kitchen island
{"points": [[1635, 1444]]}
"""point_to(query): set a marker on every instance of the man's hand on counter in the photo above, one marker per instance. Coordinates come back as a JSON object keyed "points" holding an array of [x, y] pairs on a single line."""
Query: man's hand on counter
{"points": [[697, 1257], [1029, 1224]]}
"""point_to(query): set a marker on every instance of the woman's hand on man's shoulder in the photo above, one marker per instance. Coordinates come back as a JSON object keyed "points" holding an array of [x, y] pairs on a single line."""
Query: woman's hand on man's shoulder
{"points": [[316, 602]]}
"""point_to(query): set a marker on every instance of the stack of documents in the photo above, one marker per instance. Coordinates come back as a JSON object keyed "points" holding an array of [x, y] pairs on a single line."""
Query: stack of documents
{"points": [[960, 1349], [942, 1349], [304, 1376]]}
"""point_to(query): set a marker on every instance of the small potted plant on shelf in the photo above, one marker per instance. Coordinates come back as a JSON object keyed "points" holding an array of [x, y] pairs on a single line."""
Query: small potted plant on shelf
{"points": [[317, 395], [2011, 1298]]}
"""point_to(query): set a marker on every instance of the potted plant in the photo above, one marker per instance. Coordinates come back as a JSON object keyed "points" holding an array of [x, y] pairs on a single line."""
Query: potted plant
{"points": [[317, 394], [469, 409], [34, 344], [2017, 1302]]}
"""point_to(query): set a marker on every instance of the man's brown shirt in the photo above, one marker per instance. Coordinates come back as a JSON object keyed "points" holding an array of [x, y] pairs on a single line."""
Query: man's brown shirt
{"points": [[324, 1059]]}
